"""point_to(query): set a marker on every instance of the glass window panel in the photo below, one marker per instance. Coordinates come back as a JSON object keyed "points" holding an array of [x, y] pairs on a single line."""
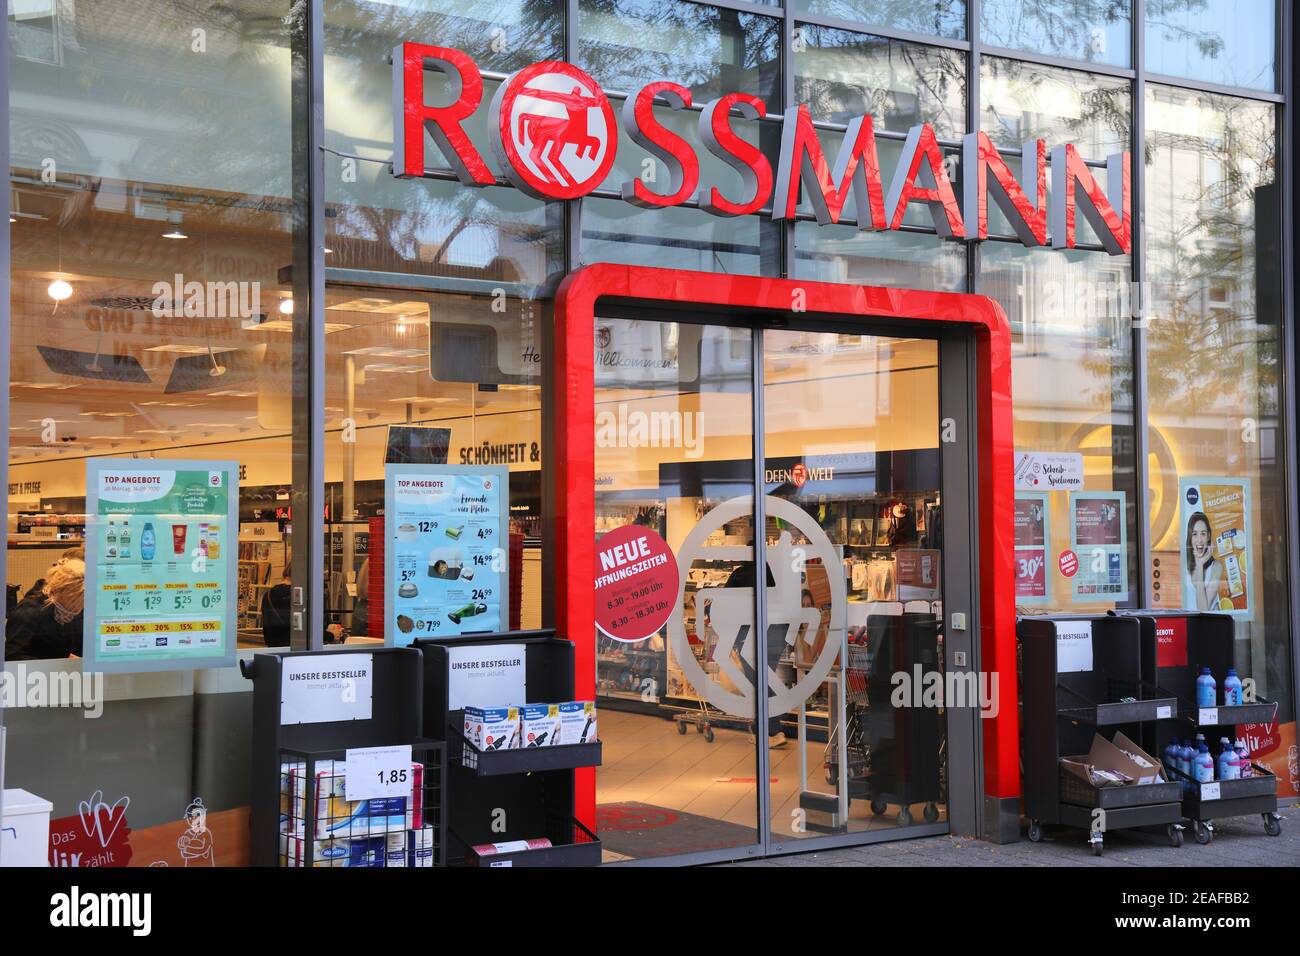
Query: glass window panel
{"points": [[1096, 31], [1023, 101], [841, 75], [151, 217], [1071, 337], [435, 302], [1215, 353], [1233, 42], [711, 51], [945, 18]]}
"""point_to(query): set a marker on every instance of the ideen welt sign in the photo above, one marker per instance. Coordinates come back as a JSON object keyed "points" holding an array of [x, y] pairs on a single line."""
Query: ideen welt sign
{"points": [[555, 135]]}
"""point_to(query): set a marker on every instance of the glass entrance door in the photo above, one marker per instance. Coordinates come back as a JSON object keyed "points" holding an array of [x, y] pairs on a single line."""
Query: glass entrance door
{"points": [[841, 430], [854, 540]]}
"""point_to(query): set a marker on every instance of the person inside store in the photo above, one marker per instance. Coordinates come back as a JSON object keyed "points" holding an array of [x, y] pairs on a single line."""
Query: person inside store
{"points": [[275, 612], [276, 616], [46, 624], [743, 577], [1203, 567]]}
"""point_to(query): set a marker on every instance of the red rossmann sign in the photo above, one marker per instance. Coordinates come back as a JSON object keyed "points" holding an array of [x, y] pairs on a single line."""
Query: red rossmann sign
{"points": [[555, 135]]}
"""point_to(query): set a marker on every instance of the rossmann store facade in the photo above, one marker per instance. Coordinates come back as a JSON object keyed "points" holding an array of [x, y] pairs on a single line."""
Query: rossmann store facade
{"points": [[940, 313]]}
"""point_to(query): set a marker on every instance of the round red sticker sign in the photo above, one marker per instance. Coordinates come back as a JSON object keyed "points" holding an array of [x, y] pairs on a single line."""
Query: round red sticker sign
{"points": [[556, 133], [636, 583], [1068, 563]]}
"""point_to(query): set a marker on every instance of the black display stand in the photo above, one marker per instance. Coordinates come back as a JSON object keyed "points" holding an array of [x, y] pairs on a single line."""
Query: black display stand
{"points": [[893, 752], [1210, 643], [511, 795], [1062, 712], [396, 716]]}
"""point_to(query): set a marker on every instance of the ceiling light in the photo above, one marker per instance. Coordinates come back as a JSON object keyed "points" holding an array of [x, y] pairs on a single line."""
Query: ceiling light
{"points": [[175, 234], [286, 306], [59, 290]]}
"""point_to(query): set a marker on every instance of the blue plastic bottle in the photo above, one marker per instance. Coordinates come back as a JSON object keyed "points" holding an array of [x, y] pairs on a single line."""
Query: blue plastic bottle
{"points": [[1185, 758], [1225, 752], [1204, 766], [1206, 689], [1231, 767], [1232, 689], [148, 542], [1171, 760]]}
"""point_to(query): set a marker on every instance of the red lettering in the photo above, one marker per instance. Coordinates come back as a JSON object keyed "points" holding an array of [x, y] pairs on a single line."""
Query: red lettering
{"points": [[669, 148], [1029, 219], [747, 160], [857, 169], [922, 157], [411, 116], [1115, 230]]}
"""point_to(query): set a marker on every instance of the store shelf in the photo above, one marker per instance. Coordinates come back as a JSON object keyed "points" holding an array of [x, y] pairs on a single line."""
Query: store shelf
{"points": [[586, 852], [1130, 712], [495, 763], [1261, 712]]}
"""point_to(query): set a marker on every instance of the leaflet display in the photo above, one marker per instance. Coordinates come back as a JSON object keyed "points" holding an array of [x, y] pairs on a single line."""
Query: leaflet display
{"points": [[447, 561], [160, 564]]}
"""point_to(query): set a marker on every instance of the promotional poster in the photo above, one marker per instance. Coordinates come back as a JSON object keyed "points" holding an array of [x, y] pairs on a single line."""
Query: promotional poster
{"points": [[447, 560], [1099, 536], [1216, 539], [1032, 539], [160, 564]]}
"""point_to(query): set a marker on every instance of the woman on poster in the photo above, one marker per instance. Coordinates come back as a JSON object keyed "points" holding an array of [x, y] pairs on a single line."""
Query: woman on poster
{"points": [[1203, 568]]}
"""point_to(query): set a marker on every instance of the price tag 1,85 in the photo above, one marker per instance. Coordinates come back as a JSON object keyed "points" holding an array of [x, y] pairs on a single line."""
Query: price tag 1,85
{"points": [[378, 772]]}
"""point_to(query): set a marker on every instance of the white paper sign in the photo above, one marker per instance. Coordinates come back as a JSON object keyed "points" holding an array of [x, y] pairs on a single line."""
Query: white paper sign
{"points": [[485, 675], [374, 773], [1209, 791], [1049, 471], [317, 688], [1163, 713], [1073, 646], [1209, 717]]}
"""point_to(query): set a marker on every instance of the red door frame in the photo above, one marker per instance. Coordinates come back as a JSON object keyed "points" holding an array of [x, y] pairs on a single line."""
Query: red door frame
{"points": [[574, 407]]}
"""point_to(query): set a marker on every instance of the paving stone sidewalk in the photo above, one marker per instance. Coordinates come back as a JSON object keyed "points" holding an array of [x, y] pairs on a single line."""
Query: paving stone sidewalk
{"points": [[1238, 841]]}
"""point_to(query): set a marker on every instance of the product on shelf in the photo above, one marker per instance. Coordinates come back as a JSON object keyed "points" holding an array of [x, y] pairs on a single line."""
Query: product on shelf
{"points": [[335, 814], [539, 725], [511, 846], [1206, 689], [492, 728], [577, 722], [1232, 689]]}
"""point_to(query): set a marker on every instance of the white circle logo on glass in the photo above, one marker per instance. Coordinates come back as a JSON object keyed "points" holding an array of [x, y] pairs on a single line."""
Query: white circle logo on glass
{"points": [[555, 130], [731, 610]]}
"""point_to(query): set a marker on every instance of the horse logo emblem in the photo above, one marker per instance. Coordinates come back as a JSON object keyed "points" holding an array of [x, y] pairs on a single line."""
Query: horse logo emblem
{"points": [[557, 131]]}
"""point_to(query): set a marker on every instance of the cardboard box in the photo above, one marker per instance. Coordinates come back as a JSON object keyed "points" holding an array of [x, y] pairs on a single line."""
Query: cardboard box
{"points": [[539, 724], [578, 722], [1126, 757], [492, 728]]}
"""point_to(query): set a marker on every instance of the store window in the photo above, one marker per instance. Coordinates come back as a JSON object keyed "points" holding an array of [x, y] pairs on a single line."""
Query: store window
{"points": [[944, 18], [435, 298], [1218, 478], [1097, 31], [148, 332], [843, 75], [1233, 42], [712, 51], [1072, 366]]}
